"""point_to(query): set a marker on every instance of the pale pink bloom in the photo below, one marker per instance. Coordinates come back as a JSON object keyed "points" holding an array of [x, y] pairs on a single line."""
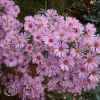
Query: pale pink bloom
{"points": [[28, 18], [91, 61], [40, 22], [12, 34], [78, 28], [37, 58], [29, 23], [49, 39], [90, 84], [20, 41], [67, 82], [29, 26], [23, 68], [29, 48], [96, 44], [51, 13], [87, 42], [94, 76], [69, 23], [69, 37], [19, 58], [82, 73], [60, 19], [40, 18], [37, 36], [60, 49], [60, 34], [90, 29], [67, 63], [11, 61], [75, 52]]}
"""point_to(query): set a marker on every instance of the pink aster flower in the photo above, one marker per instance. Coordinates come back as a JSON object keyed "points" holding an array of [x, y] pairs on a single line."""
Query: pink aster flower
{"points": [[60, 34], [60, 49], [10, 61], [87, 42], [77, 50], [12, 34], [21, 40], [29, 23], [82, 73], [37, 58], [90, 84], [29, 48], [78, 28], [67, 63], [94, 76], [90, 29], [70, 37], [91, 61], [51, 13], [96, 44], [19, 58], [70, 21], [67, 82], [40, 22], [49, 67], [37, 36], [49, 39]]}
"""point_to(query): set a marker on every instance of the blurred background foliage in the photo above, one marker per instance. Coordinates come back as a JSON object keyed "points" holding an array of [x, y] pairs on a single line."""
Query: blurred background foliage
{"points": [[84, 10]]}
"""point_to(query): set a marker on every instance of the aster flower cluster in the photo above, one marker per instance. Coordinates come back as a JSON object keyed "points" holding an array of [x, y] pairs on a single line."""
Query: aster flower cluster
{"points": [[52, 54], [65, 51]]}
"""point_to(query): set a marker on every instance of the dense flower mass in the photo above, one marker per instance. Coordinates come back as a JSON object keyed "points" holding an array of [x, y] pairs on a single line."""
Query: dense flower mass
{"points": [[50, 53]]}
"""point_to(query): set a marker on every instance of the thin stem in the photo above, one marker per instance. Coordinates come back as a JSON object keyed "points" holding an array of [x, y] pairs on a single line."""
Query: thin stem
{"points": [[45, 4]]}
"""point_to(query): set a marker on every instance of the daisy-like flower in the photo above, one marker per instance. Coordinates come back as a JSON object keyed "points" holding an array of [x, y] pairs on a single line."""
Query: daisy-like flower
{"points": [[10, 61], [49, 39], [29, 48], [60, 49], [19, 58], [29, 23], [78, 28], [82, 73], [69, 37], [70, 21], [67, 63], [12, 34], [87, 42], [49, 67], [77, 51], [51, 13], [95, 76], [40, 22], [21, 40], [90, 85], [37, 36], [96, 44], [7, 52], [91, 61], [90, 29], [37, 58], [67, 82], [60, 34], [40, 18]]}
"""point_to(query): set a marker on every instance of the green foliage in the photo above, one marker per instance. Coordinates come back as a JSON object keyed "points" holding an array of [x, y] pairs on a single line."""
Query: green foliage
{"points": [[94, 15]]}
